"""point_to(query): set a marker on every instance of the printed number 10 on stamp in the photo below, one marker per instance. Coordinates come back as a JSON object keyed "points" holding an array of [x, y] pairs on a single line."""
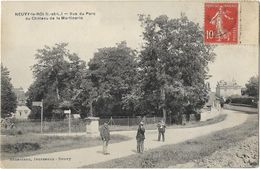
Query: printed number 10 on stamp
{"points": [[221, 23]]}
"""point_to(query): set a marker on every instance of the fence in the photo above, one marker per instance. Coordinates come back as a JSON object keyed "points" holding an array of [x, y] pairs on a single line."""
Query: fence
{"points": [[129, 121], [77, 125], [50, 126]]}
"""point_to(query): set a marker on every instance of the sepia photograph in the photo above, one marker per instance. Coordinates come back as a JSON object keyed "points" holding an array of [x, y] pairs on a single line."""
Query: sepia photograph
{"points": [[130, 84]]}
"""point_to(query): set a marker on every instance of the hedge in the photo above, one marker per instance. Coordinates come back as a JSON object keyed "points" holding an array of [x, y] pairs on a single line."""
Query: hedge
{"points": [[251, 101]]}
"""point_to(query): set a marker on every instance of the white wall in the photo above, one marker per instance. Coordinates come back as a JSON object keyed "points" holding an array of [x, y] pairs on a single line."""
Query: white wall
{"points": [[22, 112]]}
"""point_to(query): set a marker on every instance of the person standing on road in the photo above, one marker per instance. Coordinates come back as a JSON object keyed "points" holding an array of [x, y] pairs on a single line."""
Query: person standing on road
{"points": [[105, 136], [161, 130], [140, 138]]}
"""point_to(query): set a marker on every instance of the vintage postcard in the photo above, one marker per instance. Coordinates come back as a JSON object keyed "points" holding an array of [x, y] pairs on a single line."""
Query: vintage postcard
{"points": [[129, 84]]}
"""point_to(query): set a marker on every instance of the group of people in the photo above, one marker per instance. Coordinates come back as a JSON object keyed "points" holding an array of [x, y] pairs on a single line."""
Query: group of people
{"points": [[140, 136]]}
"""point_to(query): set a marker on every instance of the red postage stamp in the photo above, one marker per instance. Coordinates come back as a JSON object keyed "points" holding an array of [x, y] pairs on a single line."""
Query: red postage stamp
{"points": [[221, 23]]}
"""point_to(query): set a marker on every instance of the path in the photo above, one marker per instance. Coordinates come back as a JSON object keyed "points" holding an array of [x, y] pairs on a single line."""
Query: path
{"points": [[86, 156]]}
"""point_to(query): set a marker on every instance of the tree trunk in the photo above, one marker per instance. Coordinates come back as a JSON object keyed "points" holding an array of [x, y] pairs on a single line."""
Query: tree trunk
{"points": [[163, 94], [91, 108], [57, 93], [57, 89]]}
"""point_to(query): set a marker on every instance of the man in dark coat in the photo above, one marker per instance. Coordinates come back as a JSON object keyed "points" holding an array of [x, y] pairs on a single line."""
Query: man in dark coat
{"points": [[161, 130], [140, 138], [105, 136]]}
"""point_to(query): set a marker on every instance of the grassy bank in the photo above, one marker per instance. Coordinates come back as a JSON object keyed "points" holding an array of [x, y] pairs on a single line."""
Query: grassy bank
{"points": [[30, 144], [60, 126], [242, 154], [171, 155], [241, 108], [193, 124]]}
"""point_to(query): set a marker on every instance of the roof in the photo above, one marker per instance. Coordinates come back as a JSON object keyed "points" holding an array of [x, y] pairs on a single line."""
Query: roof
{"points": [[232, 84], [22, 108]]}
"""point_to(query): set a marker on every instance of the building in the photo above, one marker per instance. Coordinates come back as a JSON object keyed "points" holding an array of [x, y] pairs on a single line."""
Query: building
{"points": [[226, 89], [22, 112], [20, 94]]}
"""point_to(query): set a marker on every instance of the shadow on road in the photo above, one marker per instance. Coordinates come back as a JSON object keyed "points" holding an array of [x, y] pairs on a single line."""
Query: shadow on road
{"points": [[134, 151]]}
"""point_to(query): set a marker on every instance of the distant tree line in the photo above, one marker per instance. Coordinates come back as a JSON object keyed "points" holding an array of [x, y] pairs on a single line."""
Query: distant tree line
{"points": [[252, 87], [8, 97], [167, 75]]}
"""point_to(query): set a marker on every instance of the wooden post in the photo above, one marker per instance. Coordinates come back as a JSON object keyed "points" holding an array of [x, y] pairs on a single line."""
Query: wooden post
{"points": [[163, 93], [41, 115], [69, 124]]}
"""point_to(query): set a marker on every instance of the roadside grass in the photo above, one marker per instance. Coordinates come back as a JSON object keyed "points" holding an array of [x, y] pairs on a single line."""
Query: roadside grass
{"points": [[31, 144], [78, 125], [61, 126], [193, 124], [171, 155]]}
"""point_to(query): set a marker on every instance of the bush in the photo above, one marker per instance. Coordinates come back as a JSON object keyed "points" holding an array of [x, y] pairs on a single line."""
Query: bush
{"points": [[251, 101], [12, 132]]}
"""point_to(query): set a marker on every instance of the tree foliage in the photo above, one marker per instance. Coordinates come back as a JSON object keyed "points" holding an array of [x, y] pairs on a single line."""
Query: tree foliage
{"points": [[174, 59], [58, 76], [112, 73], [252, 87], [8, 97]]}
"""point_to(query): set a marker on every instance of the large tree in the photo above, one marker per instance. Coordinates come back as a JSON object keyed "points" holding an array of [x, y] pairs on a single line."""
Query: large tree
{"points": [[112, 74], [8, 97], [174, 65], [58, 75], [252, 87]]}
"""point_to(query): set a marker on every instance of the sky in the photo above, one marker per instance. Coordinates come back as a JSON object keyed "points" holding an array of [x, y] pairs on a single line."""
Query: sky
{"points": [[112, 23]]}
